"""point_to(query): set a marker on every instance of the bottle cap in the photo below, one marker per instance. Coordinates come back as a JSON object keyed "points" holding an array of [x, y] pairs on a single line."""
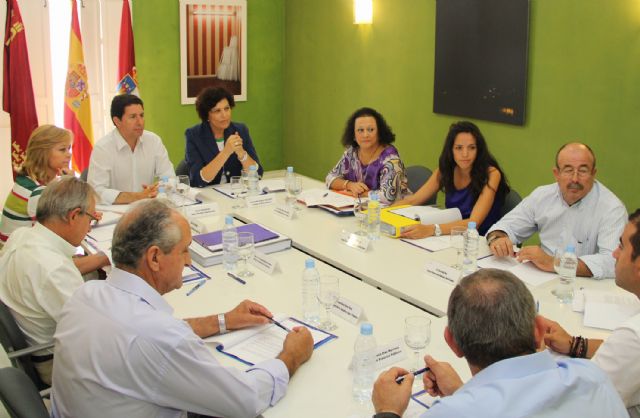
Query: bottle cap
{"points": [[310, 263], [289, 169], [373, 195], [366, 328], [253, 167], [164, 178], [471, 225], [570, 249], [228, 220]]}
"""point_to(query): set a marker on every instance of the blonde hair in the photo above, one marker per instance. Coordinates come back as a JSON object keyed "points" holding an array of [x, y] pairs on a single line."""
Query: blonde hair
{"points": [[42, 140]]}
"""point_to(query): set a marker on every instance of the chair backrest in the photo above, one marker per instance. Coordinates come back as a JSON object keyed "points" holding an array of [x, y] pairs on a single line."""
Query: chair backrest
{"points": [[511, 200], [12, 339], [417, 175], [19, 395], [182, 168], [84, 174]]}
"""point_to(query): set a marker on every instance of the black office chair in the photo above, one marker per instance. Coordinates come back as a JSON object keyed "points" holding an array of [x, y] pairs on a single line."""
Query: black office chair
{"points": [[19, 396], [84, 174], [15, 344], [417, 175], [182, 169], [511, 200]]}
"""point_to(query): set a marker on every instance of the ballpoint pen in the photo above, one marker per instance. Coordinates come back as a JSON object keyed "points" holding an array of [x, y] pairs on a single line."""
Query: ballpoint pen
{"points": [[234, 277], [416, 373], [196, 287], [276, 323]]}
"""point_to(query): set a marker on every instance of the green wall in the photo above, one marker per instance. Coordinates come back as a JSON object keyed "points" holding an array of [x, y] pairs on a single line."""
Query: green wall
{"points": [[584, 83], [157, 41]]}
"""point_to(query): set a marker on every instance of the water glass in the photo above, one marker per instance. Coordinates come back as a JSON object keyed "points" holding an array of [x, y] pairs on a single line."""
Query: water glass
{"points": [[360, 212], [246, 248], [294, 188], [457, 242], [417, 335], [182, 188], [237, 190], [328, 294]]}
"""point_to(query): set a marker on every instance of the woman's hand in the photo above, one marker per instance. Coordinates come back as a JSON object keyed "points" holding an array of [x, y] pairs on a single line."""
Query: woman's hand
{"points": [[234, 145], [417, 231], [357, 188]]}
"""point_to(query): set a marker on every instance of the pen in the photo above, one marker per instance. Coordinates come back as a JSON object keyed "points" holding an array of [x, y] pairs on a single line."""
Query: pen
{"points": [[537, 306], [326, 194], [276, 323], [196, 287], [234, 277], [417, 372]]}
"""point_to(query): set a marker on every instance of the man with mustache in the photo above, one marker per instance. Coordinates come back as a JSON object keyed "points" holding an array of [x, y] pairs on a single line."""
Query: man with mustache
{"points": [[576, 210]]}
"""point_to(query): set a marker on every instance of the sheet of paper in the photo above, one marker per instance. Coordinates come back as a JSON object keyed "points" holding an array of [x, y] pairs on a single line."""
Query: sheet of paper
{"points": [[431, 243], [272, 185], [429, 215], [527, 271], [418, 403], [315, 197], [102, 233], [608, 310]]}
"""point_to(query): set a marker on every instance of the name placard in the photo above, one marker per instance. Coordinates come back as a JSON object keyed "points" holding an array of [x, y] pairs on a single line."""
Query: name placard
{"points": [[264, 262], [442, 271], [204, 209], [260, 200], [198, 226], [285, 211], [390, 354], [347, 310], [354, 240]]}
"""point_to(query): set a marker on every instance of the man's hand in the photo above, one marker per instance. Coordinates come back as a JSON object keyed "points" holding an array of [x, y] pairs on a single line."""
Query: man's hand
{"points": [[537, 256], [246, 314], [441, 379], [502, 247], [555, 337], [297, 349], [149, 191], [389, 396], [417, 231]]}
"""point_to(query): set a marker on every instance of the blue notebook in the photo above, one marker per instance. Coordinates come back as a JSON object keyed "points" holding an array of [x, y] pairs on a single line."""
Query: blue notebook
{"points": [[213, 240]]}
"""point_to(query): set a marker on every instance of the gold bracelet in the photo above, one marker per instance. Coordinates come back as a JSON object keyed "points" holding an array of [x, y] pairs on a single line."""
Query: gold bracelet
{"points": [[346, 182]]}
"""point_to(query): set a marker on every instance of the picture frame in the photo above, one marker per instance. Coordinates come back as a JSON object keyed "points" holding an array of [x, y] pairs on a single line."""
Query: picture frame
{"points": [[213, 47]]}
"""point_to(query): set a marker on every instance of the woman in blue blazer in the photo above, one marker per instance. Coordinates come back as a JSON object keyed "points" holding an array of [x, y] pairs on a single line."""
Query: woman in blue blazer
{"points": [[218, 148]]}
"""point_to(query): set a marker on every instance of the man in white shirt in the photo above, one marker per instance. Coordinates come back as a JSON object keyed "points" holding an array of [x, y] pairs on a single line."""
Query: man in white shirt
{"points": [[619, 355], [37, 274], [576, 210], [120, 352], [126, 163]]}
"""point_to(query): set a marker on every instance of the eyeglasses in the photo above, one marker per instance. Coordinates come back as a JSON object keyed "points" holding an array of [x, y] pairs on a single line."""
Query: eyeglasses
{"points": [[90, 215], [570, 171]]}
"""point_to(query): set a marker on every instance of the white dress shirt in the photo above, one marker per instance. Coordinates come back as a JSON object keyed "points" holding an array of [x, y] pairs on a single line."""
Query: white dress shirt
{"points": [[114, 168], [120, 353], [37, 276], [619, 357], [593, 224]]}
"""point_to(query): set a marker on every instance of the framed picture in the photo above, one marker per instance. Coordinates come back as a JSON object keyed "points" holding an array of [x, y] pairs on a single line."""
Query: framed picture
{"points": [[213, 47]]}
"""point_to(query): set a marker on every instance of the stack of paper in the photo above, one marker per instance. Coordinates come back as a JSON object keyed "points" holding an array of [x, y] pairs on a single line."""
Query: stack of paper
{"points": [[428, 215], [336, 203], [608, 310], [527, 271]]}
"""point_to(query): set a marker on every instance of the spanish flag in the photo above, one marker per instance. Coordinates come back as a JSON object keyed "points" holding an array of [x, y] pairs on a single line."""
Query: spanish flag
{"points": [[77, 107], [127, 76], [17, 97]]}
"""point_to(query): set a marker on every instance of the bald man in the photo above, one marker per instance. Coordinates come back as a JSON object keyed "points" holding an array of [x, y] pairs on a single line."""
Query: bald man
{"points": [[576, 209]]}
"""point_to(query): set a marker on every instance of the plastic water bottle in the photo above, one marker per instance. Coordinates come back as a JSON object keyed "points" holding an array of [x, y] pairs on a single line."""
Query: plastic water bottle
{"points": [[229, 244], [364, 363], [310, 289], [567, 271], [253, 181], [373, 216], [471, 238], [288, 178], [162, 193]]}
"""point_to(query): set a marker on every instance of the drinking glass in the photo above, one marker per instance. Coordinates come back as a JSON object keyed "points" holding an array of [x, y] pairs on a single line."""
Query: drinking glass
{"points": [[244, 177], [294, 188], [327, 296], [457, 242], [182, 187], [245, 253], [417, 335], [236, 191], [359, 210]]}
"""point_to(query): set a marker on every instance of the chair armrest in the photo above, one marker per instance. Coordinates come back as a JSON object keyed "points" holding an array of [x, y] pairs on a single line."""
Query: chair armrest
{"points": [[29, 350]]}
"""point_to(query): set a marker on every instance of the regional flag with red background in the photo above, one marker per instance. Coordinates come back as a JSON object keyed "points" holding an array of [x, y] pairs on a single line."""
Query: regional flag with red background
{"points": [[77, 106], [17, 97], [127, 76]]}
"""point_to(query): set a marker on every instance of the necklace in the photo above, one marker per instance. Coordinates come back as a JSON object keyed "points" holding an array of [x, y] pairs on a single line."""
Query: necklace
{"points": [[371, 156]]}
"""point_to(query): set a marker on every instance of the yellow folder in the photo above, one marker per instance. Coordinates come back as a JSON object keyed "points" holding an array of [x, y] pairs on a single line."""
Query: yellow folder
{"points": [[392, 224]]}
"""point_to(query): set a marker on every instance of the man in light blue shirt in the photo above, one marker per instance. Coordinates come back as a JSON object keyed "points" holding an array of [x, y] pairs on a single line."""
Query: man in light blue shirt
{"points": [[120, 352], [493, 324], [575, 210]]}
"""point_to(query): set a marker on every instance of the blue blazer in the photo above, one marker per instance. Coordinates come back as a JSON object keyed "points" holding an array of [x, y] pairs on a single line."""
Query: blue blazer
{"points": [[202, 148]]}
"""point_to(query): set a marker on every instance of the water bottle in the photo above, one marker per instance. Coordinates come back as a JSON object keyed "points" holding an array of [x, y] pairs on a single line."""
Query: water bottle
{"points": [[373, 216], [229, 244], [162, 193], [470, 260], [364, 363], [253, 181], [310, 289], [288, 179], [567, 271]]}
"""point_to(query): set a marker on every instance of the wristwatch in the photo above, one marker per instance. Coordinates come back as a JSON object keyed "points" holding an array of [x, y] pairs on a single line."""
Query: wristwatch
{"points": [[438, 231], [222, 325]]}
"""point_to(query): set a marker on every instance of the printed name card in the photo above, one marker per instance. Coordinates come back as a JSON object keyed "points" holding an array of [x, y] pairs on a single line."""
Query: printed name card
{"points": [[261, 200], [204, 209], [264, 262], [442, 271], [347, 310], [286, 211], [198, 226], [390, 354], [354, 240]]}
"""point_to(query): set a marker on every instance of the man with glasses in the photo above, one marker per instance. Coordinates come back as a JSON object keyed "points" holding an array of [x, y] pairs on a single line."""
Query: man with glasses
{"points": [[576, 210], [37, 274]]}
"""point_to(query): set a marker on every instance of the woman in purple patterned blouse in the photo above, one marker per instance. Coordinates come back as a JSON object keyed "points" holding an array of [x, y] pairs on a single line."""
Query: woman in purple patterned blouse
{"points": [[370, 162]]}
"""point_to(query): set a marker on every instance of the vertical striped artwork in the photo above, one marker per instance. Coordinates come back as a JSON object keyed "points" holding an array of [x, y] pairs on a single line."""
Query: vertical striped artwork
{"points": [[209, 30]]}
